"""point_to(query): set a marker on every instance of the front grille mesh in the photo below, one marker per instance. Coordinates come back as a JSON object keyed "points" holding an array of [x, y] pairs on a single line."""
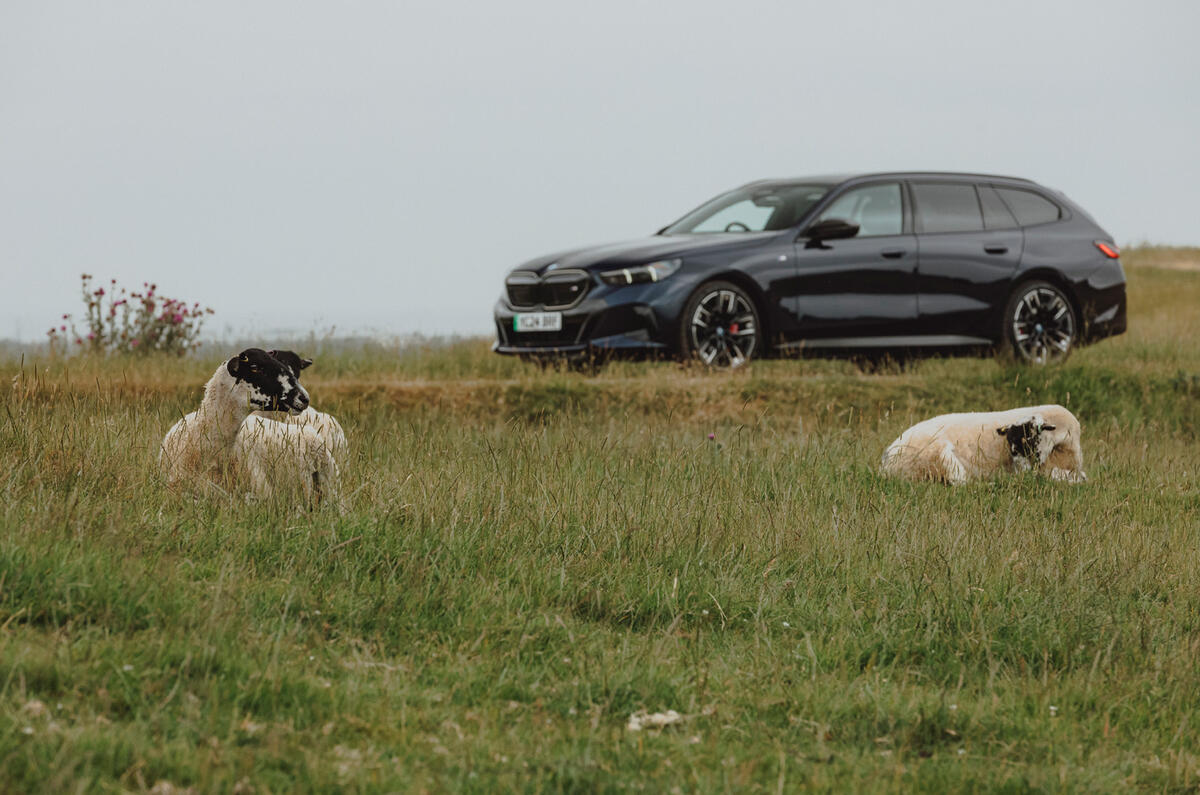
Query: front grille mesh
{"points": [[523, 289]]}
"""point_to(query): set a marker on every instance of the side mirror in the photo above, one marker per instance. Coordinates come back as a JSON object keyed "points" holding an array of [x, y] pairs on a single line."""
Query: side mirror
{"points": [[830, 229]]}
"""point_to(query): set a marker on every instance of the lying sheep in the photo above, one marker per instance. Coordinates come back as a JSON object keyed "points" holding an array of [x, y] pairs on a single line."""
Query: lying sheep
{"points": [[326, 425], [956, 448], [212, 451]]}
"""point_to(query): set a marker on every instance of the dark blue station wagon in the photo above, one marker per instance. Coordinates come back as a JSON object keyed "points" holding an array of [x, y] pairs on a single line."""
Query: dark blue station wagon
{"points": [[869, 261]]}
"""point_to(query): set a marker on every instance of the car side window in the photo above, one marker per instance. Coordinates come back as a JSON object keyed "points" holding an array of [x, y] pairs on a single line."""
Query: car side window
{"points": [[877, 209], [1029, 207], [995, 211], [947, 207]]}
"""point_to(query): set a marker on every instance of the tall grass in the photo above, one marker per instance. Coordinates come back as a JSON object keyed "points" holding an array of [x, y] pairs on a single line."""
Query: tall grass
{"points": [[528, 557]]}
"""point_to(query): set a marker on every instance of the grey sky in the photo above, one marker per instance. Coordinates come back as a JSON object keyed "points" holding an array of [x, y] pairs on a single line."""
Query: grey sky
{"points": [[379, 166]]}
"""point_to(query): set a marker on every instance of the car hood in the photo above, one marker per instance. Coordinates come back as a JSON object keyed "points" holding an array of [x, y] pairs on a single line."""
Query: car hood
{"points": [[643, 250]]}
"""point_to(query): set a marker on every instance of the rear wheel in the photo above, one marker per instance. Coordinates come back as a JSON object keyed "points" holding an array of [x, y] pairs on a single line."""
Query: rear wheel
{"points": [[1040, 325], [721, 326]]}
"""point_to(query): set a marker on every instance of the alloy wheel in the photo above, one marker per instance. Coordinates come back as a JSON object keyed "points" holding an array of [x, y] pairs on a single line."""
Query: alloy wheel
{"points": [[1042, 325], [723, 328]]}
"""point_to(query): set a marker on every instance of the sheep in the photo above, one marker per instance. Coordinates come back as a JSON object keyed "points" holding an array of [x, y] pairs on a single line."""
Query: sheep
{"points": [[212, 445], [326, 425], [956, 448]]}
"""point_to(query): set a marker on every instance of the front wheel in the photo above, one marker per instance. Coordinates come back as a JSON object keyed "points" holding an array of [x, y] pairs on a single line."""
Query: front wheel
{"points": [[721, 326], [1040, 326]]}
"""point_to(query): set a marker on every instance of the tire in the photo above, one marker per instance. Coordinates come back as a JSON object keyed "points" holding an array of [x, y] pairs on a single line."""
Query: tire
{"points": [[720, 326], [1040, 325]]}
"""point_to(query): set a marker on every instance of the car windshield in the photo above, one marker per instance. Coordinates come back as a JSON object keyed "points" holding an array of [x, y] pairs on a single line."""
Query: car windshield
{"points": [[755, 208]]}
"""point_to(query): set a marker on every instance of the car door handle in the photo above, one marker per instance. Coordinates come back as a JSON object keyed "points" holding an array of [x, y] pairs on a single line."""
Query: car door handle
{"points": [[892, 253], [996, 249]]}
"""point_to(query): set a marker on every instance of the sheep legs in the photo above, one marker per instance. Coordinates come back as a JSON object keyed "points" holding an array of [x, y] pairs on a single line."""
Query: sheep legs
{"points": [[1065, 462]]}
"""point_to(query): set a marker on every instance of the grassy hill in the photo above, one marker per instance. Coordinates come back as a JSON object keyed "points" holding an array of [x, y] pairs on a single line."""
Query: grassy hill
{"points": [[530, 557]]}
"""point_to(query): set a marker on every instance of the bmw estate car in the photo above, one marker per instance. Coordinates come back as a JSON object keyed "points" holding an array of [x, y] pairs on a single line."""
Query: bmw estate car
{"points": [[869, 261]]}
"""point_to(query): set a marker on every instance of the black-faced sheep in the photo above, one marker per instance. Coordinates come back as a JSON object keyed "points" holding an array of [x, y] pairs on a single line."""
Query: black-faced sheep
{"points": [[956, 448], [215, 452]]}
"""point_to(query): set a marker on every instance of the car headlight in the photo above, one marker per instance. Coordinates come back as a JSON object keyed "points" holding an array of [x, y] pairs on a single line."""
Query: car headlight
{"points": [[654, 272]]}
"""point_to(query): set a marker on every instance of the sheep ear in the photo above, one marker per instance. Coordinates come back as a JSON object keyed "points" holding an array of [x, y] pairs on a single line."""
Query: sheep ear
{"points": [[232, 366], [1049, 427], [305, 363], [1002, 430]]}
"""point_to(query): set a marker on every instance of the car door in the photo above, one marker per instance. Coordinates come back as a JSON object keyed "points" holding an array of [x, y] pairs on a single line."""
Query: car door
{"points": [[863, 286], [969, 246]]}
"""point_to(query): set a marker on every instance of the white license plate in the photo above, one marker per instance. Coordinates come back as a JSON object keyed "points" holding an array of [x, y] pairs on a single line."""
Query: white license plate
{"points": [[537, 321]]}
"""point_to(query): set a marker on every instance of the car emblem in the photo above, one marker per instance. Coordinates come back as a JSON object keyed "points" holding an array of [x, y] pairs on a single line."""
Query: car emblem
{"points": [[551, 266]]}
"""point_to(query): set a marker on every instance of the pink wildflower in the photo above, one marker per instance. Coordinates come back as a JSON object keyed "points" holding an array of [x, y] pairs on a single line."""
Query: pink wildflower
{"points": [[178, 318]]}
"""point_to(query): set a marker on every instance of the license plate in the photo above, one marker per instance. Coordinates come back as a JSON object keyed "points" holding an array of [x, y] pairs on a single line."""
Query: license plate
{"points": [[537, 321]]}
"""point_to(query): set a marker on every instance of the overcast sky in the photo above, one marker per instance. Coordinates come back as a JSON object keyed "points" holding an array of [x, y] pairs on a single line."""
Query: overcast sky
{"points": [[375, 166]]}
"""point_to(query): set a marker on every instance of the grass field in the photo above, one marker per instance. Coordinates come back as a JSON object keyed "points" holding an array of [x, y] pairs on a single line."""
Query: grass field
{"points": [[529, 557]]}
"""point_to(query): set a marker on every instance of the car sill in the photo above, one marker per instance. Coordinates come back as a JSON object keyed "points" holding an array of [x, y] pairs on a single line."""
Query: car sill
{"points": [[914, 341]]}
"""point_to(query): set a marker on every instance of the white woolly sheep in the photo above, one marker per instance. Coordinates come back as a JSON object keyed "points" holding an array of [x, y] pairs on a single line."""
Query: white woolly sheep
{"points": [[210, 448], [956, 448], [326, 425]]}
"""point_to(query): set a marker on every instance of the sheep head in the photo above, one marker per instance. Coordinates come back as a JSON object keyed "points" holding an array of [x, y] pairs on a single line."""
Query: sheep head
{"points": [[265, 383], [1029, 442]]}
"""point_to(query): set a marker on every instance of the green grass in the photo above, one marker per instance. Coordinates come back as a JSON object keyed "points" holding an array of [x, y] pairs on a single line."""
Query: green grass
{"points": [[528, 557]]}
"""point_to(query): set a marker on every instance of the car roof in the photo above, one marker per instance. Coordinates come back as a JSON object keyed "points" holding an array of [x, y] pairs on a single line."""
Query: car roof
{"points": [[838, 179]]}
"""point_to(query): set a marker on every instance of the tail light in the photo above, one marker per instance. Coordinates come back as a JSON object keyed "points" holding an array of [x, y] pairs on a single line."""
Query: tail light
{"points": [[1109, 250]]}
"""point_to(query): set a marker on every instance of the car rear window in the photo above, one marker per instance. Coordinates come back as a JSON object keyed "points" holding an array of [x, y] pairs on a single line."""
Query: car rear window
{"points": [[995, 211], [1030, 208], [947, 207]]}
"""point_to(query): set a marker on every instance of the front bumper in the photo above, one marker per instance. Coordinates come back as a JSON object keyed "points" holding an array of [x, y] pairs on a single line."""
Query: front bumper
{"points": [[636, 319]]}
